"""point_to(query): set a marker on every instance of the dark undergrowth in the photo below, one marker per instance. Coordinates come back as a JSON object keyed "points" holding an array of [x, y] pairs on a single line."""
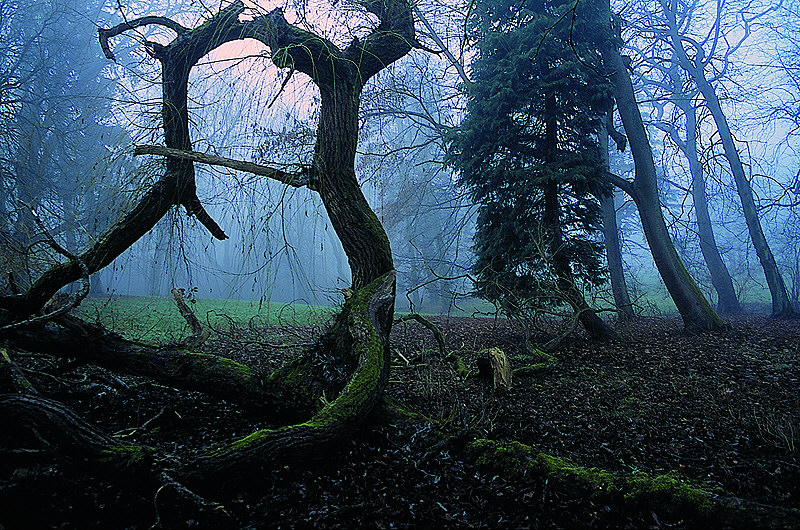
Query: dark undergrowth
{"points": [[720, 411]]}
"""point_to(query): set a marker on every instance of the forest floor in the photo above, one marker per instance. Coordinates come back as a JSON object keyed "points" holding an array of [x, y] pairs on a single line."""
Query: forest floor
{"points": [[719, 410]]}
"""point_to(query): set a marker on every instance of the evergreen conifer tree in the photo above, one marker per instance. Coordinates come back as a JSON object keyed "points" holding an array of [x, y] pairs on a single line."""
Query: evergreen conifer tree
{"points": [[528, 152]]}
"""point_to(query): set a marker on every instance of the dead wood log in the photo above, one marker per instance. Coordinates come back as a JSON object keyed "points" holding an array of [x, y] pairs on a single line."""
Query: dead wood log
{"points": [[639, 492], [199, 335], [437, 333]]}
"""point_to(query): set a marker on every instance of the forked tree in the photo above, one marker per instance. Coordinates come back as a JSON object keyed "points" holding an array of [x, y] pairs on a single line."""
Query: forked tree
{"points": [[325, 393]]}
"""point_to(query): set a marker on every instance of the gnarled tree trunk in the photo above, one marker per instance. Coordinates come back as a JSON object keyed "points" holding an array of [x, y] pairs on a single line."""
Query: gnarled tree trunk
{"points": [[356, 347]]}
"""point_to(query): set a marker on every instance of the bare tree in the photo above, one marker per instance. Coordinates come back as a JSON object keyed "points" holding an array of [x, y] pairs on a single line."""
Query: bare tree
{"points": [[673, 85], [695, 310], [695, 57]]}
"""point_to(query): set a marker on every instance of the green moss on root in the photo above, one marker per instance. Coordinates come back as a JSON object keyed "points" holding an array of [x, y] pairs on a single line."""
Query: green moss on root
{"points": [[516, 460], [547, 362], [356, 394], [368, 348], [126, 455]]}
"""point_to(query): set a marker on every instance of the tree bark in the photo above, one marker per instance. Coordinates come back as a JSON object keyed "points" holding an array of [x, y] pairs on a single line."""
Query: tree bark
{"points": [[695, 310]]}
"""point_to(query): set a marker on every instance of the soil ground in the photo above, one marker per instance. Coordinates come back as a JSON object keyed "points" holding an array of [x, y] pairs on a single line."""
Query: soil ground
{"points": [[721, 410]]}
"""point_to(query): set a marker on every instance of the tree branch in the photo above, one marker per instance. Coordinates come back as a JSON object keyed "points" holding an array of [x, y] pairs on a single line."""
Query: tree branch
{"points": [[105, 33], [624, 184], [298, 179], [195, 207], [438, 40], [619, 139]]}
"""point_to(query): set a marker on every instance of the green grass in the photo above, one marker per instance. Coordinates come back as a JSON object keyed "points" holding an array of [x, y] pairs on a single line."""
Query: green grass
{"points": [[653, 298], [157, 320]]}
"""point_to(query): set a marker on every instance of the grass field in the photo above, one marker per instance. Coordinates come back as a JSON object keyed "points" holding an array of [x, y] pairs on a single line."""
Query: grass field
{"points": [[157, 320]]}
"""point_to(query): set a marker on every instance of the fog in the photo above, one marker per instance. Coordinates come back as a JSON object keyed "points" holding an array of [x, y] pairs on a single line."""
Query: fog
{"points": [[71, 118]]}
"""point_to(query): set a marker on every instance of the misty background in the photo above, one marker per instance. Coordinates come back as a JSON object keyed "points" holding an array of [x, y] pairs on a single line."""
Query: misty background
{"points": [[69, 120]]}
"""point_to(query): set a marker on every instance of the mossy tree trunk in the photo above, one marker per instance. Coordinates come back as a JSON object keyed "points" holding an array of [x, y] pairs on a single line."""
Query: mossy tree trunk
{"points": [[356, 347]]}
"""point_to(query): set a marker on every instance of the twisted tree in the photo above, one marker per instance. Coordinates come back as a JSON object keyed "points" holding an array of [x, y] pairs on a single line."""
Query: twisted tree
{"points": [[349, 362]]}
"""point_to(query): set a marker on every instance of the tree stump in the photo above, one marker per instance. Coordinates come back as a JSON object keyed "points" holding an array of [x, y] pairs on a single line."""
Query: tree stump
{"points": [[495, 367]]}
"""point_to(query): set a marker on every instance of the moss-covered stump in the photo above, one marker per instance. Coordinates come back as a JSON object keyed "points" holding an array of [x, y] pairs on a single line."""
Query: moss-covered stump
{"points": [[668, 497]]}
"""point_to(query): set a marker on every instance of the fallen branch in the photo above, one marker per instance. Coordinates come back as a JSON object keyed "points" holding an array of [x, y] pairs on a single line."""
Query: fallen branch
{"points": [[437, 333], [640, 492]]}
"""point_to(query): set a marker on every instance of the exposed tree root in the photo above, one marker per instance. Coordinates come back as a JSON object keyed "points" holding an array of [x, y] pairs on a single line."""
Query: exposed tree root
{"points": [[361, 331], [664, 493], [364, 323]]}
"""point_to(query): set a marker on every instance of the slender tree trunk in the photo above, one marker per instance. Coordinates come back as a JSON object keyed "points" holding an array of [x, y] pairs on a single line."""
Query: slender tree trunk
{"points": [[593, 324], [720, 278], [781, 307], [587, 316], [695, 310], [619, 287]]}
